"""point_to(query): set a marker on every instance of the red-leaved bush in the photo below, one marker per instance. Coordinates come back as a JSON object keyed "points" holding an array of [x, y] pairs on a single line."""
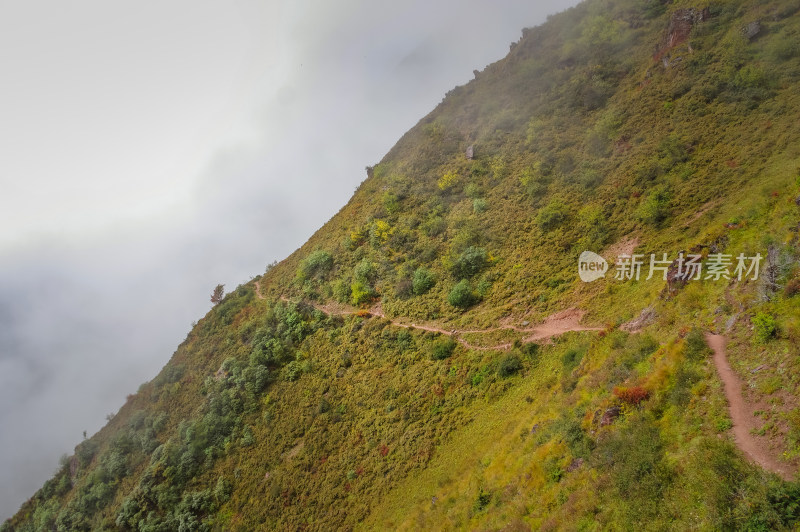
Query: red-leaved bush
{"points": [[633, 395]]}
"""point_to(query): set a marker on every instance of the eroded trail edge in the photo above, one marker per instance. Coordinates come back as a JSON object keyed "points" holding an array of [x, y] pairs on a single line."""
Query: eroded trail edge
{"points": [[555, 325], [741, 412]]}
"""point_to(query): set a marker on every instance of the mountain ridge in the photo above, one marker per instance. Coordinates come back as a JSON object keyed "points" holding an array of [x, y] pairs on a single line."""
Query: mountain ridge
{"points": [[616, 127]]}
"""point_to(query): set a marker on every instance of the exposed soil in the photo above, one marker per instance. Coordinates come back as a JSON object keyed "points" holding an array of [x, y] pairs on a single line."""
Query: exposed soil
{"points": [[755, 448], [624, 246], [555, 325]]}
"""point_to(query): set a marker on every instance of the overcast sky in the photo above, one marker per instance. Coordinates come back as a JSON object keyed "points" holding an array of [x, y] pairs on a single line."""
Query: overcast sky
{"points": [[149, 150]]}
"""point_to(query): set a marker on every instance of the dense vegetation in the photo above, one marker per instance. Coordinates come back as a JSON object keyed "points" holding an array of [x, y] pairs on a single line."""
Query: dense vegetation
{"points": [[615, 120]]}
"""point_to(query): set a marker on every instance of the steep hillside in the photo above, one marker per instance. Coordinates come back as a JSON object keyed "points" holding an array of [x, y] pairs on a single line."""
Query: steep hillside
{"points": [[430, 358]]}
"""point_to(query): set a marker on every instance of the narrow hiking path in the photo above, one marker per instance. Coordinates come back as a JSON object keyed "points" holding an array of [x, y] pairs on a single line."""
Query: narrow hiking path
{"points": [[755, 449], [555, 325], [744, 421]]}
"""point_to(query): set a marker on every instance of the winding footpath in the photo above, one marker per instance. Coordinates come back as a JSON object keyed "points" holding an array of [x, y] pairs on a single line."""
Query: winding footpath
{"points": [[744, 422], [555, 325], [741, 412]]}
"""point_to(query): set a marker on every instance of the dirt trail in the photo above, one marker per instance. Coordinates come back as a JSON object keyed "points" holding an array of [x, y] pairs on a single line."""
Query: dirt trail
{"points": [[741, 412], [755, 449], [555, 325]]}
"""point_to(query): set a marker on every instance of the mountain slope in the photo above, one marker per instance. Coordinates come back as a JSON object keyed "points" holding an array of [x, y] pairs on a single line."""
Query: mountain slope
{"points": [[617, 126]]}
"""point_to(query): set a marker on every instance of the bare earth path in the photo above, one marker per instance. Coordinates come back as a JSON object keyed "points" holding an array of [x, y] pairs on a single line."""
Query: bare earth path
{"points": [[757, 451], [555, 325], [744, 421]]}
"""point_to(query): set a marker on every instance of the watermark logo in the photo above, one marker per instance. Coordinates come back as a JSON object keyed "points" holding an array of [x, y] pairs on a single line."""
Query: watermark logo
{"points": [[591, 266], [691, 267]]}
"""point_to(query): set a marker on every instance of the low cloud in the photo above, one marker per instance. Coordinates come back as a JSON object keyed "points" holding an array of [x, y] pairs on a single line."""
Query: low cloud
{"points": [[89, 312]]}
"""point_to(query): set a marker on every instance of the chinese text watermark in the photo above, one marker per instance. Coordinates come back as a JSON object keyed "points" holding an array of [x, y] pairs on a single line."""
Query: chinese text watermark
{"points": [[686, 267]]}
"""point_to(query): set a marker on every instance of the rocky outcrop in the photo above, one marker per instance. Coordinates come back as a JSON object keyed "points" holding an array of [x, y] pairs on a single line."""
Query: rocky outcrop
{"points": [[610, 415], [752, 30], [645, 318], [680, 27], [575, 464]]}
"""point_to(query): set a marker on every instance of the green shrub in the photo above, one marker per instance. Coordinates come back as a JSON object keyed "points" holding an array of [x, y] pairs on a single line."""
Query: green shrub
{"points": [[293, 370], [171, 373], [461, 295], [472, 191], [553, 470], [683, 380], [765, 326], [648, 171], [470, 234], [85, 452], [434, 226], [482, 290], [696, 346], [531, 351], [551, 215], [427, 253], [672, 151], [638, 471], [223, 490], [572, 357], [365, 272], [361, 293], [470, 262], [655, 208], [723, 424], [651, 8], [442, 349], [483, 500], [422, 281], [568, 429], [589, 178], [341, 291], [479, 205], [391, 203], [749, 76], [404, 340], [247, 437], [479, 168], [317, 264], [404, 288], [784, 498], [509, 365], [643, 345], [256, 378], [783, 48], [498, 167]]}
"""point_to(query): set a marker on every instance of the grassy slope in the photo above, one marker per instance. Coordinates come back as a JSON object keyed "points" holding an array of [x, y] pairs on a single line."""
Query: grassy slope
{"points": [[325, 422]]}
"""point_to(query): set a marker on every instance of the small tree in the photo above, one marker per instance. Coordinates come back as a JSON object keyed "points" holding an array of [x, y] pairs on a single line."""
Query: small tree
{"points": [[361, 293], [461, 295], [509, 365], [765, 326], [655, 208], [218, 293], [443, 348], [317, 264], [470, 262], [422, 281], [551, 215]]}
